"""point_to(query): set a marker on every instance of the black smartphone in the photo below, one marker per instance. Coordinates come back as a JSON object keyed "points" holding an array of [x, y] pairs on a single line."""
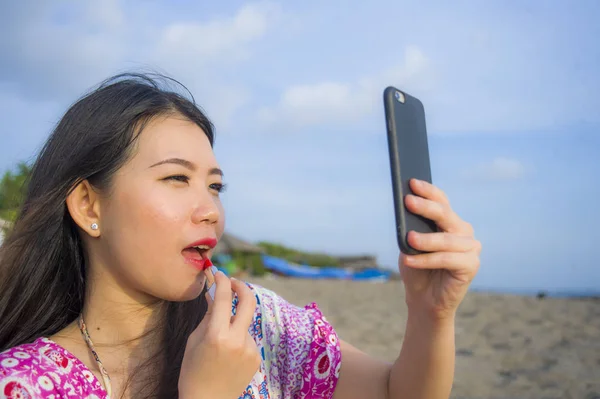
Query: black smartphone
{"points": [[409, 158]]}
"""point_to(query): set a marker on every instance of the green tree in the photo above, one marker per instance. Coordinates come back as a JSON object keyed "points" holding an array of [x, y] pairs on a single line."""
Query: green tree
{"points": [[294, 255], [13, 187]]}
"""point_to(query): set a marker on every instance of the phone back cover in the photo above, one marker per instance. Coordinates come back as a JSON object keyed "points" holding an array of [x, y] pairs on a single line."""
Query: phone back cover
{"points": [[409, 158]]}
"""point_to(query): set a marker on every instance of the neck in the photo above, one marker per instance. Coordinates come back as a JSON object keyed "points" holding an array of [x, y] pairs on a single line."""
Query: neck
{"points": [[117, 317]]}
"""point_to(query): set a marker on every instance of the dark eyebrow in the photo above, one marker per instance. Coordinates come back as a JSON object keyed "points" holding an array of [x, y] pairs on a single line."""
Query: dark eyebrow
{"points": [[215, 171], [187, 164], [177, 161]]}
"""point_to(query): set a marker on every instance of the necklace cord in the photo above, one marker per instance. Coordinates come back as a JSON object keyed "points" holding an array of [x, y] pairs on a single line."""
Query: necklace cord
{"points": [[90, 344]]}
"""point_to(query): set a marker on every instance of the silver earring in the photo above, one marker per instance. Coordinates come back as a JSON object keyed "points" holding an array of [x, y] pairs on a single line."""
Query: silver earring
{"points": [[94, 226]]}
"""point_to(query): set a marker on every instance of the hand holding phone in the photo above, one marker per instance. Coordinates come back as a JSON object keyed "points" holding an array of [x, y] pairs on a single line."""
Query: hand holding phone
{"points": [[409, 158]]}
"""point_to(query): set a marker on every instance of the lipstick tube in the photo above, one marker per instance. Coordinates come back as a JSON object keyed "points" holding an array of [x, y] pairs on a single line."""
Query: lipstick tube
{"points": [[211, 287]]}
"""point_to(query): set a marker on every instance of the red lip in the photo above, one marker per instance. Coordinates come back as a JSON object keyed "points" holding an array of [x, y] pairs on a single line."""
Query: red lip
{"points": [[209, 242], [200, 260], [200, 264]]}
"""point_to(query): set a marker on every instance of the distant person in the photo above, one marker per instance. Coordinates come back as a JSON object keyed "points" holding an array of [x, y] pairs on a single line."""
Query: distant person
{"points": [[102, 293]]}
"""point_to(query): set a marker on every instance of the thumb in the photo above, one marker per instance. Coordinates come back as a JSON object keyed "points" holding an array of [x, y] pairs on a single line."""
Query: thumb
{"points": [[209, 301], [200, 329]]}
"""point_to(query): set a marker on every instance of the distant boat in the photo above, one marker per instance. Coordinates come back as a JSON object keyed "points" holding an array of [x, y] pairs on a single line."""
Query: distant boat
{"points": [[286, 268]]}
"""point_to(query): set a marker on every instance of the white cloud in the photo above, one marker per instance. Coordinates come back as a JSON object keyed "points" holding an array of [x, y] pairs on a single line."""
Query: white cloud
{"points": [[499, 169], [59, 60], [479, 75], [344, 103], [197, 52], [221, 101], [472, 73], [56, 60], [105, 15], [196, 43], [316, 104]]}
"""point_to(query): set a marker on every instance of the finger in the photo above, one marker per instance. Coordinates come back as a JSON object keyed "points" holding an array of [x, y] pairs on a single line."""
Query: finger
{"points": [[442, 242], [209, 301], [245, 308], [251, 343], [467, 262], [222, 302], [427, 190], [441, 214]]}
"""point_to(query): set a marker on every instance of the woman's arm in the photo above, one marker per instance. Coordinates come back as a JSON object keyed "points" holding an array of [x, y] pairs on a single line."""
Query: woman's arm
{"points": [[424, 368], [436, 281], [361, 376]]}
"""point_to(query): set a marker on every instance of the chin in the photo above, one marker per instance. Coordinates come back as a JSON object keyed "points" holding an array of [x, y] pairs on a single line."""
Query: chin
{"points": [[179, 292]]}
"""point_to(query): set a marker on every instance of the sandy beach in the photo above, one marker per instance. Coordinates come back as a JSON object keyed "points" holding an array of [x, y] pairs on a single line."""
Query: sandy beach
{"points": [[508, 346]]}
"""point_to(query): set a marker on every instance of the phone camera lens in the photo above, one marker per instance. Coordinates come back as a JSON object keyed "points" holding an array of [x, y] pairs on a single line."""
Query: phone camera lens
{"points": [[400, 97]]}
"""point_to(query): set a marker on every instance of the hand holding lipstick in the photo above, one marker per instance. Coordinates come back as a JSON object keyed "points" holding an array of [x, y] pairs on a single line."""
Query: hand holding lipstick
{"points": [[221, 356]]}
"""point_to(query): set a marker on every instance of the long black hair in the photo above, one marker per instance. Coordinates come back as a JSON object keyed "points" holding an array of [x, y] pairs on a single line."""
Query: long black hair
{"points": [[42, 260]]}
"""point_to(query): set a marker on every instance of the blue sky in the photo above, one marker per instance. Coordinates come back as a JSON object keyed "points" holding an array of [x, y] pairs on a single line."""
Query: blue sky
{"points": [[510, 89]]}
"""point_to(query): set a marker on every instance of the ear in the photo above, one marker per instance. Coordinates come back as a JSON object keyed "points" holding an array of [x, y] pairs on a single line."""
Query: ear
{"points": [[83, 204]]}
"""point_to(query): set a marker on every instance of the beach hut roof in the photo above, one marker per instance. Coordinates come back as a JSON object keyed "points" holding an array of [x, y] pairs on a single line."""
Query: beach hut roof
{"points": [[230, 243], [358, 261]]}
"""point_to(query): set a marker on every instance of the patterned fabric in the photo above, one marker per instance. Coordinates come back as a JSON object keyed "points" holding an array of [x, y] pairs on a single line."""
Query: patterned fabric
{"points": [[300, 351]]}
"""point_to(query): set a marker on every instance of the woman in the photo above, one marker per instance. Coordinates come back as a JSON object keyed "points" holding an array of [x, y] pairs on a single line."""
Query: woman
{"points": [[102, 293]]}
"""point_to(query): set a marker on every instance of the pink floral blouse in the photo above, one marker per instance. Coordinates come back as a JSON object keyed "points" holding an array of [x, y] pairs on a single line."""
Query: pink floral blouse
{"points": [[300, 359]]}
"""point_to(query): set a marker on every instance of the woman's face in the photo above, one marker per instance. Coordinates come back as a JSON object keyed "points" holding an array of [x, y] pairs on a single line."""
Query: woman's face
{"points": [[165, 199]]}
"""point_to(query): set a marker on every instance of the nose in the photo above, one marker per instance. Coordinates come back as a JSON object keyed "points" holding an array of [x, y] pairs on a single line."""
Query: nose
{"points": [[206, 210]]}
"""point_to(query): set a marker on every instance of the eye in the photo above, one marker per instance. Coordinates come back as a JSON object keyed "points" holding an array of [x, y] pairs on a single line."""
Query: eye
{"points": [[178, 178], [218, 187]]}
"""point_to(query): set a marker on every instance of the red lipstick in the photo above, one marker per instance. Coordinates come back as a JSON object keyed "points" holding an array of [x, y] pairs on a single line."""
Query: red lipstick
{"points": [[211, 287], [199, 263], [197, 253]]}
